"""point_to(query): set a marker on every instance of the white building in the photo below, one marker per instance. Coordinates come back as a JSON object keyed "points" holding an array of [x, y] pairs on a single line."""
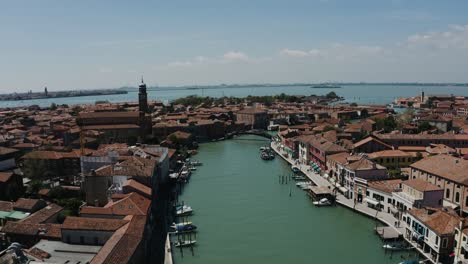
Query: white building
{"points": [[433, 231]]}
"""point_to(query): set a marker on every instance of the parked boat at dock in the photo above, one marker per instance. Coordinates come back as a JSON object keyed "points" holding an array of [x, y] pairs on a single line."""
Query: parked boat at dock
{"points": [[185, 243], [195, 163], [182, 210], [184, 227], [396, 247], [295, 169], [322, 202]]}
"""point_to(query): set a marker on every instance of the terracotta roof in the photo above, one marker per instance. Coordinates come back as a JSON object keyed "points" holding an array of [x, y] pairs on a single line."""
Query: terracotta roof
{"points": [[123, 244], [92, 224], [44, 214], [439, 149], [365, 164], [421, 185], [251, 110], [6, 206], [25, 204], [5, 151], [132, 204], [445, 136], [109, 127], [86, 115], [387, 186], [51, 231], [145, 190], [369, 139], [5, 176], [132, 166], [389, 153], [51, 155], [412, 148], [444, 166], [442, 221], [341, 158]]}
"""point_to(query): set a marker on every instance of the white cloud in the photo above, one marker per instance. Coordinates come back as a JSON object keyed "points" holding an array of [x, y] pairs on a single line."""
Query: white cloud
{"points": [[456, 37], [235, 56], [300, 53], [180, 64]]}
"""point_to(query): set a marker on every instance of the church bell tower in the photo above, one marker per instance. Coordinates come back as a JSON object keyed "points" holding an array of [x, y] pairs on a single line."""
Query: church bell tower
{"points": [[142, 97]]}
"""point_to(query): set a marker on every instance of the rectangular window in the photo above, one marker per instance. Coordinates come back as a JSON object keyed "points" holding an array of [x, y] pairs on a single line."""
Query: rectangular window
{"points": [[437, 240], [444, 242]]}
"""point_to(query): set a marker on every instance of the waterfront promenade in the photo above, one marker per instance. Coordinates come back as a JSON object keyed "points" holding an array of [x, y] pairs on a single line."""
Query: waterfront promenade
{"points": [[384, 217]]}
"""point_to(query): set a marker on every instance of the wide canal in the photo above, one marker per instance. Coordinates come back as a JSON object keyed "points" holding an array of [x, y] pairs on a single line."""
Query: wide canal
{"points": [[245, 215]]}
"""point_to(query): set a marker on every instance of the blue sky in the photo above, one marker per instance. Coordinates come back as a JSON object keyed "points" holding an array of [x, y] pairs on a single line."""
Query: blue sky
{"points": [[101, 44]]}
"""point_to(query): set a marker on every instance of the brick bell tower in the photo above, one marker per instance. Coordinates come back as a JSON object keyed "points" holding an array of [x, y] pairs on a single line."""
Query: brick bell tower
{"points": [[142, 97], [144, 120]]}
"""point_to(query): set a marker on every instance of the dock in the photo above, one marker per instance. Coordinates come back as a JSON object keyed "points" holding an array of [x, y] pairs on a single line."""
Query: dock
{"points": [[387, 233], [168, 251], [393, 225]]}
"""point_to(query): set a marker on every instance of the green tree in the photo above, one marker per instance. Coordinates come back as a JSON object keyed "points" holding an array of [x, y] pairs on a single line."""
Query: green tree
{"points": [[53, 106], [35, 169], [424, 126], [353, 104], [33, 187], [387, 124], [332, 95]]}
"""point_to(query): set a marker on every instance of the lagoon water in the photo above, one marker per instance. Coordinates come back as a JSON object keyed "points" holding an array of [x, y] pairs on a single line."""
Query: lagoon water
{"points": [[245, 216], [363, 94]]}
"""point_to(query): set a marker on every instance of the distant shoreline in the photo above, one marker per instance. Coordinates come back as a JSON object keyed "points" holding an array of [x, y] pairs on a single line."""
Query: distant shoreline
{"points": [[126, 89], [61, 94]]}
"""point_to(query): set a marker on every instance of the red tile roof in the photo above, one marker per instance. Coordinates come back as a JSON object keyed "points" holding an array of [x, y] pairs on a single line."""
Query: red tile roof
{"points": [[92, 224]]}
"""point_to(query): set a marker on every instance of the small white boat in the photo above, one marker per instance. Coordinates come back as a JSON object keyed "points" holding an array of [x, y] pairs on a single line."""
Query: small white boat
{"points": [[184, 227], [182, 224], [185, 173], [303, 183], [174, 175], [183, 210], [195, 163], [322, 202], [395, 247], [299, 178], [295, 169], [192, 168], [185, 243]]}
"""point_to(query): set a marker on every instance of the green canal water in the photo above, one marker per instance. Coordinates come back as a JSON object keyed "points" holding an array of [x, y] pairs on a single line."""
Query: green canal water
{"points": [[245, 216]]}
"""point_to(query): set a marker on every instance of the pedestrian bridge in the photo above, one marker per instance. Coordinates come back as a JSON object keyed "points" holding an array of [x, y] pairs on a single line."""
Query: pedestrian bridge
{"points": [[261, 133]]}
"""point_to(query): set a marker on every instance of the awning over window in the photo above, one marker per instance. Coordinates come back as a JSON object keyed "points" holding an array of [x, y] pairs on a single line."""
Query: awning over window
{"points": [[343, 189], [371, 201]]}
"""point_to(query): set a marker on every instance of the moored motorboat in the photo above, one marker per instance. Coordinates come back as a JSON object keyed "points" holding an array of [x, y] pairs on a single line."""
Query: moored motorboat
{"points": [[397, 247], [298, 178], [184, 227], [185, 243], [322, 202], [304, 184], [182, 210], [195, 163], [295, 169]]}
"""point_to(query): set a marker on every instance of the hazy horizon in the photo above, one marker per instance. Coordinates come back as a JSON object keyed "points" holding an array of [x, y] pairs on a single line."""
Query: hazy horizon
{"points": [[84, 45]]}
